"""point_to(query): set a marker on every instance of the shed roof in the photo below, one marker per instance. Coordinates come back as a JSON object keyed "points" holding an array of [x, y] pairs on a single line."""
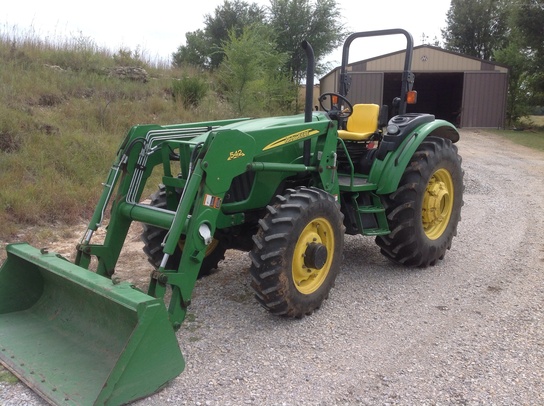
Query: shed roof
{"points": [[426, 58]]}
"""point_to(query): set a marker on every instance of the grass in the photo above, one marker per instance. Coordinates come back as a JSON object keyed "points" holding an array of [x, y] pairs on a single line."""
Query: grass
{"points": [[62, 118], [531, 139], [7, 377], [529, 134]]}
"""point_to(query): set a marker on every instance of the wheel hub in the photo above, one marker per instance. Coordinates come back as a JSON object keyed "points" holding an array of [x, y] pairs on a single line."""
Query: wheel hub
{"points": [[437, 204], [315, 256], [312, 256]]}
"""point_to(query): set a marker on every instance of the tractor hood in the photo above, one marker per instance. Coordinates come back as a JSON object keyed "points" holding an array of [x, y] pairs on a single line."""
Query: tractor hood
{"points": [[259, 124]]}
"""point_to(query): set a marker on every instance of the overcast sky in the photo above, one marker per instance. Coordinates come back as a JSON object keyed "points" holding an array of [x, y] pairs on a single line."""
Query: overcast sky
{"points": [[158, 27]]}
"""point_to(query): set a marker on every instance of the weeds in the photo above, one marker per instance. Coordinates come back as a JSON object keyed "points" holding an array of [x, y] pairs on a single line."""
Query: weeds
{"points": [[190, 91], [62, 118], [7, 377]]}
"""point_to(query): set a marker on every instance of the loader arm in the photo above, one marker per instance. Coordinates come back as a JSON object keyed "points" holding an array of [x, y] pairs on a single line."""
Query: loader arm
{"points": [[214, 163], [197, 214], [78, 337]]}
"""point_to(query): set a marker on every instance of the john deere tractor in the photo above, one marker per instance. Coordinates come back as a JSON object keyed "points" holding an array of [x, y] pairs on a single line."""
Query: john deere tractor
{"points": [[286, 189]]}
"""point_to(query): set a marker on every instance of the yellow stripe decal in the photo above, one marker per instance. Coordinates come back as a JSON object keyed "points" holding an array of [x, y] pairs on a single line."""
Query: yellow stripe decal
{"points": [[291, 138]]}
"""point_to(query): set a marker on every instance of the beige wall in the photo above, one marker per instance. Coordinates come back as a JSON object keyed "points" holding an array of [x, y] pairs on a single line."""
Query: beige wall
{"points": [[427, 59], [302, 96]]}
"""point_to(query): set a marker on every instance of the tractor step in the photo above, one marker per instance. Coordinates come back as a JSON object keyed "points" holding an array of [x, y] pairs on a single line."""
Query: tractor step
{"points": [[376, 231], [376, 212], [372, 219], [349, 183], [370, 209]]}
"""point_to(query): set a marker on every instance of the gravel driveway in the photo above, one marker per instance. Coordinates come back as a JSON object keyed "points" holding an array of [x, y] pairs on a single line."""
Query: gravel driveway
{"points": [[469, 331]]}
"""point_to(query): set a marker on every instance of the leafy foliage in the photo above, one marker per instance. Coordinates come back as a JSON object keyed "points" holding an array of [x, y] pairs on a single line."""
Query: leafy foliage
{"points": [[292, 21], [234, 17], [203, 47], [529, 17], [529, 20], [296, 20], [250, 75], [511, 33], [128, 57], [524, 55], [194, 53], [515, 57], [476, 27]]}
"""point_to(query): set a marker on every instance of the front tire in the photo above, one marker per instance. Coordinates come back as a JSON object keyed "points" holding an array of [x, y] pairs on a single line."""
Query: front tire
{"points": [[298, 252], [153, 238], [424, 211]]}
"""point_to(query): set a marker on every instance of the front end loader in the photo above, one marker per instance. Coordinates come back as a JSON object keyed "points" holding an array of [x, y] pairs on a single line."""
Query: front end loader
{"points": [[286, 189]]}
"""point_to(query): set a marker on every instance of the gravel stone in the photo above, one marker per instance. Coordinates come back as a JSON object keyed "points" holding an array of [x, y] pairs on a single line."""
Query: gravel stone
{"points": [[468, 331]]}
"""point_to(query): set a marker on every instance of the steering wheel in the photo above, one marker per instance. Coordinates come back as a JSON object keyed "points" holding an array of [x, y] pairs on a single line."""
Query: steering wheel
{"points": [[335, 112]]}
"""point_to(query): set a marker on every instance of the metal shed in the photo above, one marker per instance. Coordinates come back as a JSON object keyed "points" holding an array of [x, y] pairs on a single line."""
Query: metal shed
{"points": [[466, 91]]}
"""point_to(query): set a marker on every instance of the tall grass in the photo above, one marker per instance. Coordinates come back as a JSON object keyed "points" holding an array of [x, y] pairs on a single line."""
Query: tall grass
{"points": [[62, 117]]}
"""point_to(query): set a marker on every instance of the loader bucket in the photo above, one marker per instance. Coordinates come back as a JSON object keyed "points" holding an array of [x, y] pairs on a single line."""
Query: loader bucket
{"points": [[75, 338]]}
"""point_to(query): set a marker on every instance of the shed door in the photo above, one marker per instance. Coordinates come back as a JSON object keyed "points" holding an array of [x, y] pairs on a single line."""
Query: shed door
{"points": [[366, 87], [484, 99]]}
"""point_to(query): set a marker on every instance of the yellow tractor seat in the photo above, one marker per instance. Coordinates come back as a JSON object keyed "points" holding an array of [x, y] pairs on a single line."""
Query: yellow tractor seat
{"points": [[362, 123]]}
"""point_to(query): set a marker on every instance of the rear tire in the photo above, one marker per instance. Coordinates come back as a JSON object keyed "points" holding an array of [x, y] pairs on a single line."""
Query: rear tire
{"points": [[424, 211], [298, 252], [153, 238]]}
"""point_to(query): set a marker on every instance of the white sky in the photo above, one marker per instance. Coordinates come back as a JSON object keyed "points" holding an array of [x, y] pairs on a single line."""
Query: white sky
{"points": [[157, 28]]}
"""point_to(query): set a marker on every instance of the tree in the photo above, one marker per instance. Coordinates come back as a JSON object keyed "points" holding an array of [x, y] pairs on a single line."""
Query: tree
{"points": [[250, 74], [296, 20], [195, 52], [476, 27], [203, 47], [524, 56], [528, 18], [516, 58], [233, 17], [292, 21]]}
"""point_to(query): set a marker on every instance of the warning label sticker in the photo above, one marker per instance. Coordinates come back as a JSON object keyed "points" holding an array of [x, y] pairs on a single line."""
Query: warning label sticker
{"points": [[212, 201]]}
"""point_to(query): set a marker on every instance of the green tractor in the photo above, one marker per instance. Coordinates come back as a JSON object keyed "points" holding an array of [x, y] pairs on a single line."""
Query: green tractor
{"points": [[286, 189]]}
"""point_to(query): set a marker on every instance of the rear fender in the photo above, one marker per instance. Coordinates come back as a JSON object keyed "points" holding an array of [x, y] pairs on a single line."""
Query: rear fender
{"points": [[388, 169]]}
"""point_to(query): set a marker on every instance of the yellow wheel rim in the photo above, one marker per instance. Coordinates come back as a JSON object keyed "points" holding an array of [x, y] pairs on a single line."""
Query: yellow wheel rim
{"points": [[437, 204], [307, 279]]}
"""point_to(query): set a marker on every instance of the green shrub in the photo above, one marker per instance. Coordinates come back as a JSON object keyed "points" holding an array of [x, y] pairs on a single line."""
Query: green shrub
{"points": [[189, 90]]}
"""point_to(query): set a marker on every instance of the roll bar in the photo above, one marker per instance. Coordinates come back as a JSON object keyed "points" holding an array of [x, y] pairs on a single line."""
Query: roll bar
{"points": [[407, 75]]}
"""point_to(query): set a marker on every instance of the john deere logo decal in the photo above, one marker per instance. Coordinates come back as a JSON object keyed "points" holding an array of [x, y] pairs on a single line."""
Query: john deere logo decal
{"points": [[291, 138]]}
